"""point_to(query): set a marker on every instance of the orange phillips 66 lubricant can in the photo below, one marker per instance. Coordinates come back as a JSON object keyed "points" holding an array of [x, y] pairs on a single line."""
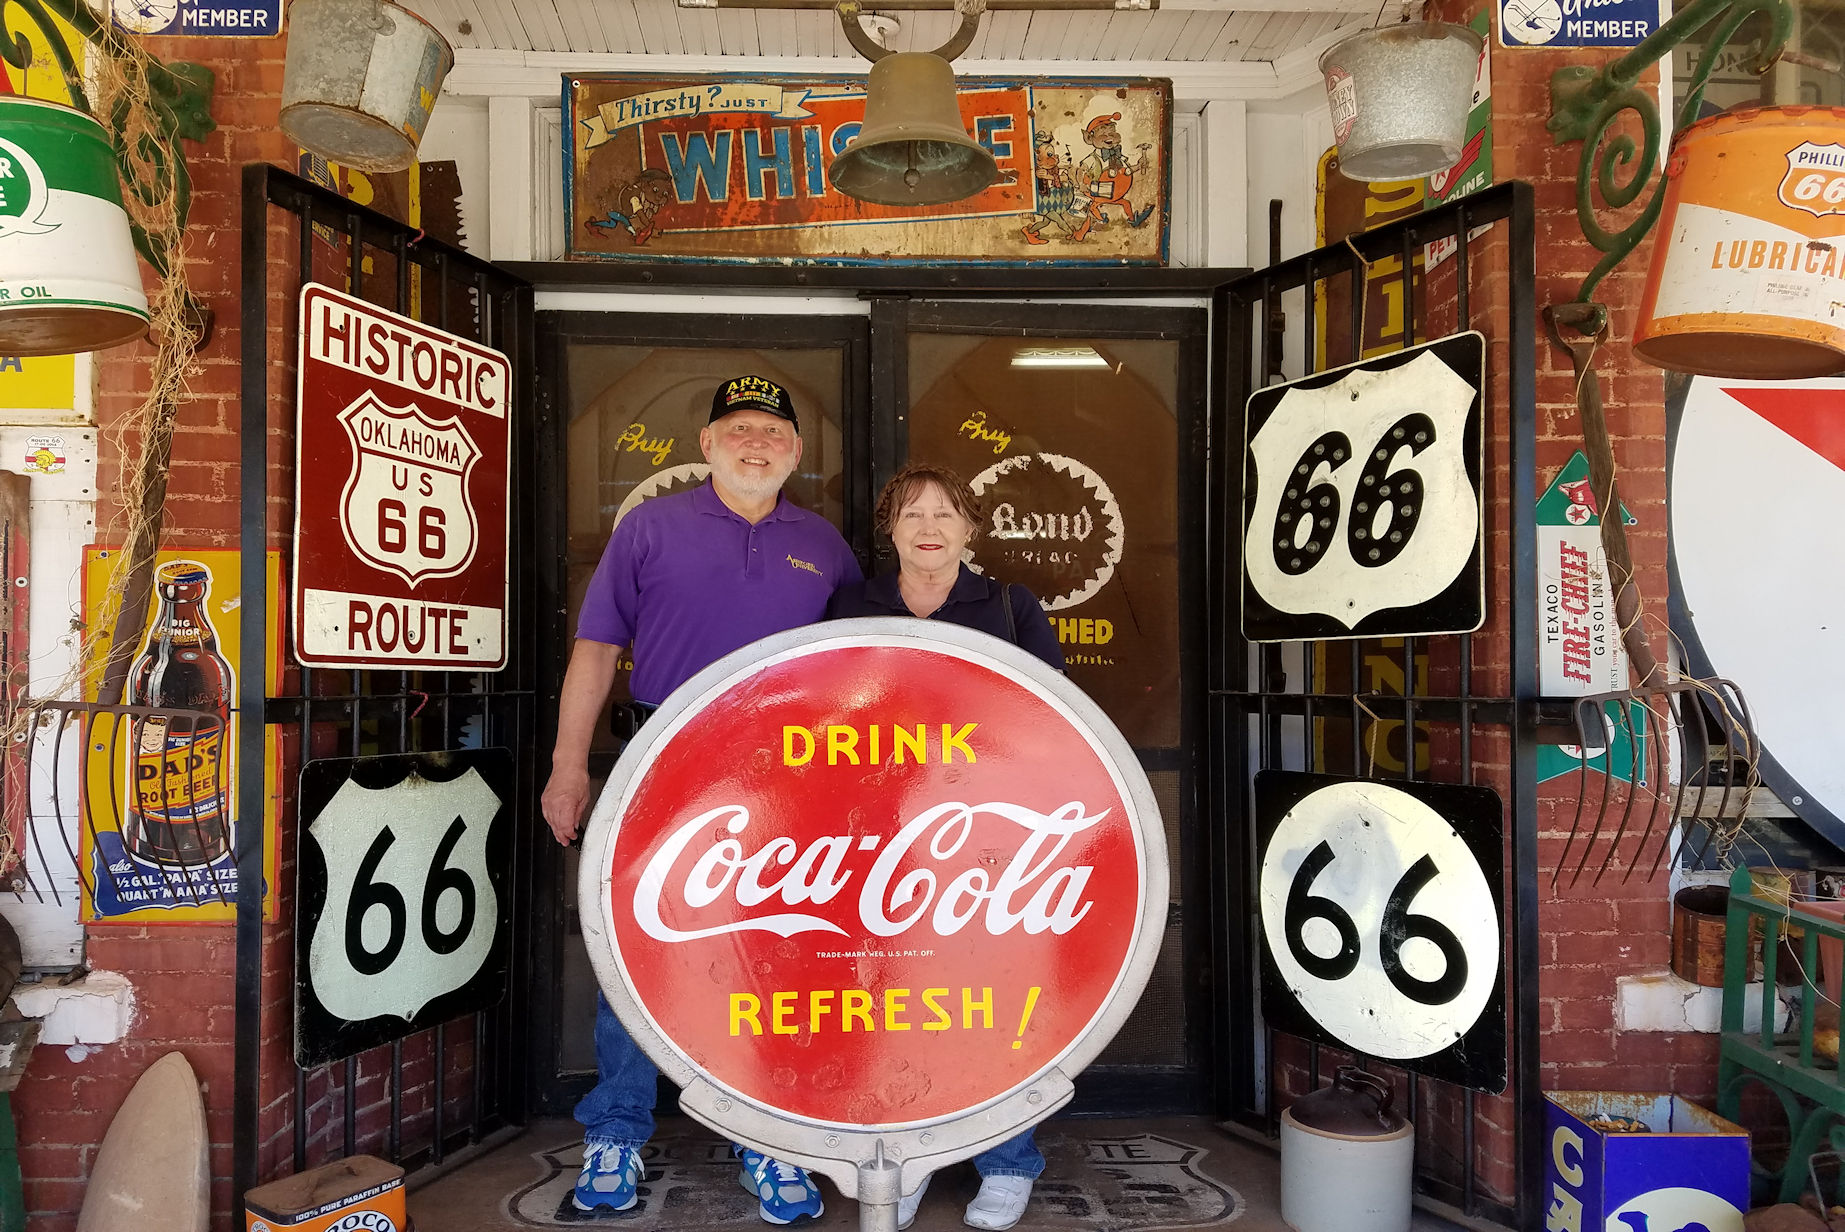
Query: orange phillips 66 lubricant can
{"points": [[1748, 278]]}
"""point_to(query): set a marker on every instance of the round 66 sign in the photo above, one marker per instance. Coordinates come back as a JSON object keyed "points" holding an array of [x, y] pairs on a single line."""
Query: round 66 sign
{"points": [[875, 885]]}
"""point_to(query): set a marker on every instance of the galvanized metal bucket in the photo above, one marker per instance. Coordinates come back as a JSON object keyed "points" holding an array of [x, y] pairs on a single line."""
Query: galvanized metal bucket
{"points": [[68, 277], [360, 80], [1400, 97]]}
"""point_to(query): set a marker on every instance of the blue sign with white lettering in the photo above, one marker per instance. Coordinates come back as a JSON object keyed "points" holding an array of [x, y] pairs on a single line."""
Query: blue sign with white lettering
{"points": [[1642, 1162], [201, 18], [1578, 23]]}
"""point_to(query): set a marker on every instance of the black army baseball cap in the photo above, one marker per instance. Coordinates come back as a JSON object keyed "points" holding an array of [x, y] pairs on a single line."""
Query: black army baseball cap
{"points": [[752, 393]]}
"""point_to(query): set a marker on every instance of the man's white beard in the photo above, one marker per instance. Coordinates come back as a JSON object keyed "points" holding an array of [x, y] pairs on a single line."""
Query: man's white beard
{"points": [[750, 484]]}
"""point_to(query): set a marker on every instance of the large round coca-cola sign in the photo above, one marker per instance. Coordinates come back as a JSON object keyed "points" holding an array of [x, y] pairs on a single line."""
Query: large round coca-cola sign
{"points": [[875, 874]]}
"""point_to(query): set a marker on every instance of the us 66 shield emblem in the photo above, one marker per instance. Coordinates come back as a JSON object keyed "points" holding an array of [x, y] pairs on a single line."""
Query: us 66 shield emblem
{"points": [[405, 506], [402, 916], [1362, 498]]}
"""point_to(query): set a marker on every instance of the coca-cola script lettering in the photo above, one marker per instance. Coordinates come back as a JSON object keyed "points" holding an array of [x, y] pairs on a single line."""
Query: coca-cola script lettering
{"points": [[1022, 895], [877, 885]]}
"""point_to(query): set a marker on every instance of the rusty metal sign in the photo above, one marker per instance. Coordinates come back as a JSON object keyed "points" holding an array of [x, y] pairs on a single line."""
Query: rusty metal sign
{"points": [[731, 167], [1363, 498], [401, 491]]}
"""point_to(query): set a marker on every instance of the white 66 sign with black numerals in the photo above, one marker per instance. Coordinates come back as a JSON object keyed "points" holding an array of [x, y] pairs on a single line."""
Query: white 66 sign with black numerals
{"points": [[401, 484], [1382, 920], [401, 920], [1362, 498]]}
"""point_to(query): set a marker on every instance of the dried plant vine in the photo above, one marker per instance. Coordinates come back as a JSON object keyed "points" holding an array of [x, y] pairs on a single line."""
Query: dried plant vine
{"points": [[147, 107]]}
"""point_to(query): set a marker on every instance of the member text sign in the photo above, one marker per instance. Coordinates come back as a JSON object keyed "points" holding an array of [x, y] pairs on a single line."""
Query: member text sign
{"points": [[401, 483], [926, 887]]}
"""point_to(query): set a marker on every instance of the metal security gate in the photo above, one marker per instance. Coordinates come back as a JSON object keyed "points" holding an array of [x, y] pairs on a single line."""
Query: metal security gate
{"points": [[415, 1100], [1456, 708]]}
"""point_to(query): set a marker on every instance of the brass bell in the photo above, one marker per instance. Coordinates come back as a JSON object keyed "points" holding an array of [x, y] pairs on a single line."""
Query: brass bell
{"points": [[913, 148]]}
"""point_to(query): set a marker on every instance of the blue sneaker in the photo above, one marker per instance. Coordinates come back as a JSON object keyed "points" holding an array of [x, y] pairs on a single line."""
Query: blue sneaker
{"points": [[786, 1193], [611, 1175]]}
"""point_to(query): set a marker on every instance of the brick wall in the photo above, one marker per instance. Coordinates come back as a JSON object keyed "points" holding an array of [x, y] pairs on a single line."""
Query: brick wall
{"points": [[183, 976], [1590, 935]]}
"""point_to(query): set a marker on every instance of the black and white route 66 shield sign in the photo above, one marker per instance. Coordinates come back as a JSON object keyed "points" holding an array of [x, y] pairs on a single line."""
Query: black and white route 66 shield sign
{"points": [[402, 915], [1382, 908], [1362, 498]]}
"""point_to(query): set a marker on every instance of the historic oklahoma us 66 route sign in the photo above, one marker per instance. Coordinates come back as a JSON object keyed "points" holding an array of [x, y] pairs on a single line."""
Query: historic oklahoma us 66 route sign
{"points": [[874, 882], [401, 484]]}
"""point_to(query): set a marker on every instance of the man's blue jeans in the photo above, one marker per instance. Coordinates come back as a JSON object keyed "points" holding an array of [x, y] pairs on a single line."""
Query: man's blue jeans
{"points": [[1016, 1156], [619, 1108]]}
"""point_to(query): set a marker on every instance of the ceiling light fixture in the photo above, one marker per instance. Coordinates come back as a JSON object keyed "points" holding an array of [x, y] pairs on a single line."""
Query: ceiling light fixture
{"points": [[1058, 357]]}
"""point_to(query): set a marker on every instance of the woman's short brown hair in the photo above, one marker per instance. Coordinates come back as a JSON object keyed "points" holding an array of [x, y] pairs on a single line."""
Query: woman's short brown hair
{"points": [[907, 484]]}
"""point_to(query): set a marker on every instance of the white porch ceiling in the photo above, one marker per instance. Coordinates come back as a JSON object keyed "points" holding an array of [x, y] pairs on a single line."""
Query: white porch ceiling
{"points": [[1180, 32]]}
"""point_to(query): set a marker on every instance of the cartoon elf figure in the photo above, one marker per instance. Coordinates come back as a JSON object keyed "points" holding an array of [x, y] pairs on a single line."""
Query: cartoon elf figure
{"points": [[1056, 192], [638, 205], [1107, 177]]}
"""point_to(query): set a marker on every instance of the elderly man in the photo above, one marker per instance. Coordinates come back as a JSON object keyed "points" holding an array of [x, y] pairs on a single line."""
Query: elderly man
{"points": [[685, 580]]}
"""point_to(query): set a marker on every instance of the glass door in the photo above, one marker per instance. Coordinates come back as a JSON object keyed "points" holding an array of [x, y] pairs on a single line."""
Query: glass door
{"points": [[1074, 425], [627, 394], [1082, 428]]}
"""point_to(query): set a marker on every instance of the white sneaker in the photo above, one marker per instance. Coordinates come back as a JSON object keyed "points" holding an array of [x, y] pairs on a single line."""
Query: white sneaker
{"points": [[907, 1204], [999, 1204]]}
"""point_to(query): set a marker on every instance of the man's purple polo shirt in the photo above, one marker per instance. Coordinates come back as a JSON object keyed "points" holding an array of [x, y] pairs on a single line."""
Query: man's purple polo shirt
{"points": [[686, 580]]}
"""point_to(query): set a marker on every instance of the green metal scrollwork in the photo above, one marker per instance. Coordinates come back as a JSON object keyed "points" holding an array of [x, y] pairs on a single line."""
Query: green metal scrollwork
{"points": [[1585, 104], [151, 165]]}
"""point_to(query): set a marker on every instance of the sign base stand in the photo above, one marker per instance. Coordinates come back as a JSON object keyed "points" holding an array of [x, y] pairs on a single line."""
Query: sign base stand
{"points": [[878, 1192]]}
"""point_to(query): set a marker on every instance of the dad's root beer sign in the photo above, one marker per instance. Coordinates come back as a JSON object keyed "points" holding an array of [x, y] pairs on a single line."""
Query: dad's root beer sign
{"points": [[918, 893], [736, 168]]}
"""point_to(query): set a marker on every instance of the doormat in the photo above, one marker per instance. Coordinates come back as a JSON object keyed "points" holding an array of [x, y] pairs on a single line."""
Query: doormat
{"points": [[1093, 1184]]}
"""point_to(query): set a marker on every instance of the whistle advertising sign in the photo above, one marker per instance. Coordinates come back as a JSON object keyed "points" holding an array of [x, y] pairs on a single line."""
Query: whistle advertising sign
{"points": [[920, 891], [736, 168], [401, 485]]}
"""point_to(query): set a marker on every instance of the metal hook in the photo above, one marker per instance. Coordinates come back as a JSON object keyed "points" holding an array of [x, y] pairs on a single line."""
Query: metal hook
{"points": [[851, 10]]}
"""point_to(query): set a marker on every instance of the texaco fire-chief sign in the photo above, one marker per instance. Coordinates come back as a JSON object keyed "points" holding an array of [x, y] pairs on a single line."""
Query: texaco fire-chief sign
{"points": [[876, 881], [400, 516]]}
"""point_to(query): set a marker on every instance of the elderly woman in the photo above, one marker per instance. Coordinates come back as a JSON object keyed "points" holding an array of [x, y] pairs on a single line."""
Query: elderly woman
{"points": [[931, 517]]}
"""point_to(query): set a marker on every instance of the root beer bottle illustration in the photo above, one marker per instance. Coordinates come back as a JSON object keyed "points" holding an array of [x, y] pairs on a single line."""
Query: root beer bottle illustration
{"points": [[178, 808]]}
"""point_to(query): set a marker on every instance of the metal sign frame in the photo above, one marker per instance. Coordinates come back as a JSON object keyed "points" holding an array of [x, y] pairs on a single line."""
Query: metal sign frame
{"points": [[847, 1153]]}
